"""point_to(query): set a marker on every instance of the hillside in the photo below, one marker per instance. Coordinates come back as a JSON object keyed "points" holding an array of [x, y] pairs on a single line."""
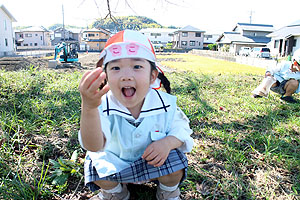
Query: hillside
{"points": [[126, 22]]}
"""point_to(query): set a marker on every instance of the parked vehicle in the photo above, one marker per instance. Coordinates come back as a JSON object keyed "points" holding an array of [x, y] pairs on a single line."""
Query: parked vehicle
{"points": [[245, 51], [260, 52]]}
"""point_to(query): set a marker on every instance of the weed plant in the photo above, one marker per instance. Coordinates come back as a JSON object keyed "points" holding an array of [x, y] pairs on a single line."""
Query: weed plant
{"points": [[245, 148]]}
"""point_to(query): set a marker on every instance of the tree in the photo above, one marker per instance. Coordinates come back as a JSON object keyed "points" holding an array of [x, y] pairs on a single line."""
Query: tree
{"points": [[212, 47], [114, 19]]}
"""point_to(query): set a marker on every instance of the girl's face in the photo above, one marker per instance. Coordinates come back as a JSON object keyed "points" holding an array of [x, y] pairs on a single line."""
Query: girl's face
{"points": [[129, 80]]}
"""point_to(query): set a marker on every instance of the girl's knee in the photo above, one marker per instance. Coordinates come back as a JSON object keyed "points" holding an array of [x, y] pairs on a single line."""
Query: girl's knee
{"points": [[104, 184], [293, 83], [173, 176]]}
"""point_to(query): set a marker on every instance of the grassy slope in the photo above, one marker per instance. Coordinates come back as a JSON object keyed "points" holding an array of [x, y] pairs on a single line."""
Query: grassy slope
{"points": [[245, 148]]}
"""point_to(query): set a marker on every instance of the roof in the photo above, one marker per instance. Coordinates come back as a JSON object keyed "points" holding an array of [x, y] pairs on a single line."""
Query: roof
{"points": [[158, 30], [97, 30], [190, 29], [210, 40], [255, 27], [2, 7], [295, 23], [35, 29], [234, 37], [285, 32]]}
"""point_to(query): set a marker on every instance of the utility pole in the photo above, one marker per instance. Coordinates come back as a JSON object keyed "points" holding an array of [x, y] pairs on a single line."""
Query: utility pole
{"points": [[63, 14], [251, 12]]}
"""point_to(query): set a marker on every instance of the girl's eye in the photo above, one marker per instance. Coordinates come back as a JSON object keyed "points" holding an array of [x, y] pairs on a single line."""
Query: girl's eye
{"points": [[115, 68], [137, 67]]}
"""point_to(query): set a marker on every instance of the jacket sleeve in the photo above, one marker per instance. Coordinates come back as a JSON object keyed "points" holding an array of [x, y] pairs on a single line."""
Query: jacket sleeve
{"points": [[105, 125], [181, 130], [275, 68]]}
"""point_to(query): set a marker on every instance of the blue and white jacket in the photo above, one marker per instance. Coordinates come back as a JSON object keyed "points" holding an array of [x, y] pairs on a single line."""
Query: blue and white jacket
{"points": [[126, 142]]}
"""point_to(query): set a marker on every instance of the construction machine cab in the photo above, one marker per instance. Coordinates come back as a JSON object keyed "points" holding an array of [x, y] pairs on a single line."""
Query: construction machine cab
{"points": [[70, 51]]}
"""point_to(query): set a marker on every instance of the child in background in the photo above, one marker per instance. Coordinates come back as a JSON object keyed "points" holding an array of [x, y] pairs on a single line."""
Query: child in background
{"points": [[133, 132], [282, 79]]}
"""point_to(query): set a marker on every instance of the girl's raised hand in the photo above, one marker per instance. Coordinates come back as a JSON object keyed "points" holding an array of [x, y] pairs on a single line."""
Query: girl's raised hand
{"points": [[89, 88]]}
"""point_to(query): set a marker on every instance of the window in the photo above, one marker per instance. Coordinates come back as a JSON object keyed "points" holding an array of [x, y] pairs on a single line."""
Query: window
{"points": [[6, 42], [35, 44], [41, 37], [183, 43], [294, 42], [25, 45], [170, 34], [184, 34], [192, 43], [155, 34], [5, 25], [28, 35], [276, 44], [21, 35], [91, 35], [36, 34], [198, 34], [30, 44], [207, 36], [58, 35]]}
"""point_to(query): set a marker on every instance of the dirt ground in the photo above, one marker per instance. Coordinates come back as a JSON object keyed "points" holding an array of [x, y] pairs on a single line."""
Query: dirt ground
{"points": [[87, 61]]}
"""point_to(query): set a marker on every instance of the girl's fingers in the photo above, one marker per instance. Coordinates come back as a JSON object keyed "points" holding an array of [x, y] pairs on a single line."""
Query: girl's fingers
{"points": [[155, 162], [150, 156], [89, 78], [83, 78], [95, 84], [147, 152]]}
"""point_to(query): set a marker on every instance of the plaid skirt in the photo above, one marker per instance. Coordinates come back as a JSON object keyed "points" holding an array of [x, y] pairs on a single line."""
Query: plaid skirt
{"points": [[139, 170]]}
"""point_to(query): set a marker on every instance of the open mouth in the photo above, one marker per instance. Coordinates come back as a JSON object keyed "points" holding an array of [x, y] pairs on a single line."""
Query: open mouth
{"points": [[128, 91]]}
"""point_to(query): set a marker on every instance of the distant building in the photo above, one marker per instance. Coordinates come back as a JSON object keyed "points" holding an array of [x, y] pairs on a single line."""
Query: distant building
{"points": [[159, 36], [210, 38], [33, 38], [7, 46], [245, 35], [286, 40], [94, 39], [188, 38], [60, 34]]}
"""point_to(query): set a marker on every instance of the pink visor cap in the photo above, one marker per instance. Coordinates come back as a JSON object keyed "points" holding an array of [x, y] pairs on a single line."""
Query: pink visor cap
{"points": [[129, 44]]}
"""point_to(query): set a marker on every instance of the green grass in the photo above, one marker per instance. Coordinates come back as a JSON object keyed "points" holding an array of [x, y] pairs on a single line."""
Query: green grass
{"points": [[245, 148], [205, 65]]}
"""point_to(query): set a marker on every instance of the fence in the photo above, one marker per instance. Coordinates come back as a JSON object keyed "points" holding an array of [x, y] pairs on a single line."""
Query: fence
{"points": [[215, 54], [257, 62]]}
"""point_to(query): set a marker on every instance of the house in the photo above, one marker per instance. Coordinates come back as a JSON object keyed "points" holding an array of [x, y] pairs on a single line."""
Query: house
{"points": [[33, 38], [245, 35], [61, 34], [159, 36], [7, 46], [94, 39], [210, 38], [188, 38], [285, 40]]}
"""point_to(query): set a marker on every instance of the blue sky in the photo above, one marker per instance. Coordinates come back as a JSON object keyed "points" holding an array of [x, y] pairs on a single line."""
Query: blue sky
{"points": [[211, 16]]}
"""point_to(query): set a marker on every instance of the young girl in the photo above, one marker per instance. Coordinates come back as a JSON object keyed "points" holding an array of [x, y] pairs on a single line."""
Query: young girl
{"points": [[133, 132]]}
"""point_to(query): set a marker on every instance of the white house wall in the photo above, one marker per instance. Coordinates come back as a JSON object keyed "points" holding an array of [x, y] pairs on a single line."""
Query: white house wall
{"points": [[158, 36], [34, 39], [6, 35], [297, 46]]}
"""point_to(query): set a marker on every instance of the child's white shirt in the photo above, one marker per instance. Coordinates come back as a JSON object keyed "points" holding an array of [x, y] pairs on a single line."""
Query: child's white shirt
{"points": [[125, 143]]}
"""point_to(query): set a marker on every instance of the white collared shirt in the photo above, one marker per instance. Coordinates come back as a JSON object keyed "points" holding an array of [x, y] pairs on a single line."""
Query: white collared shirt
{"points": [[125, 143]]}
